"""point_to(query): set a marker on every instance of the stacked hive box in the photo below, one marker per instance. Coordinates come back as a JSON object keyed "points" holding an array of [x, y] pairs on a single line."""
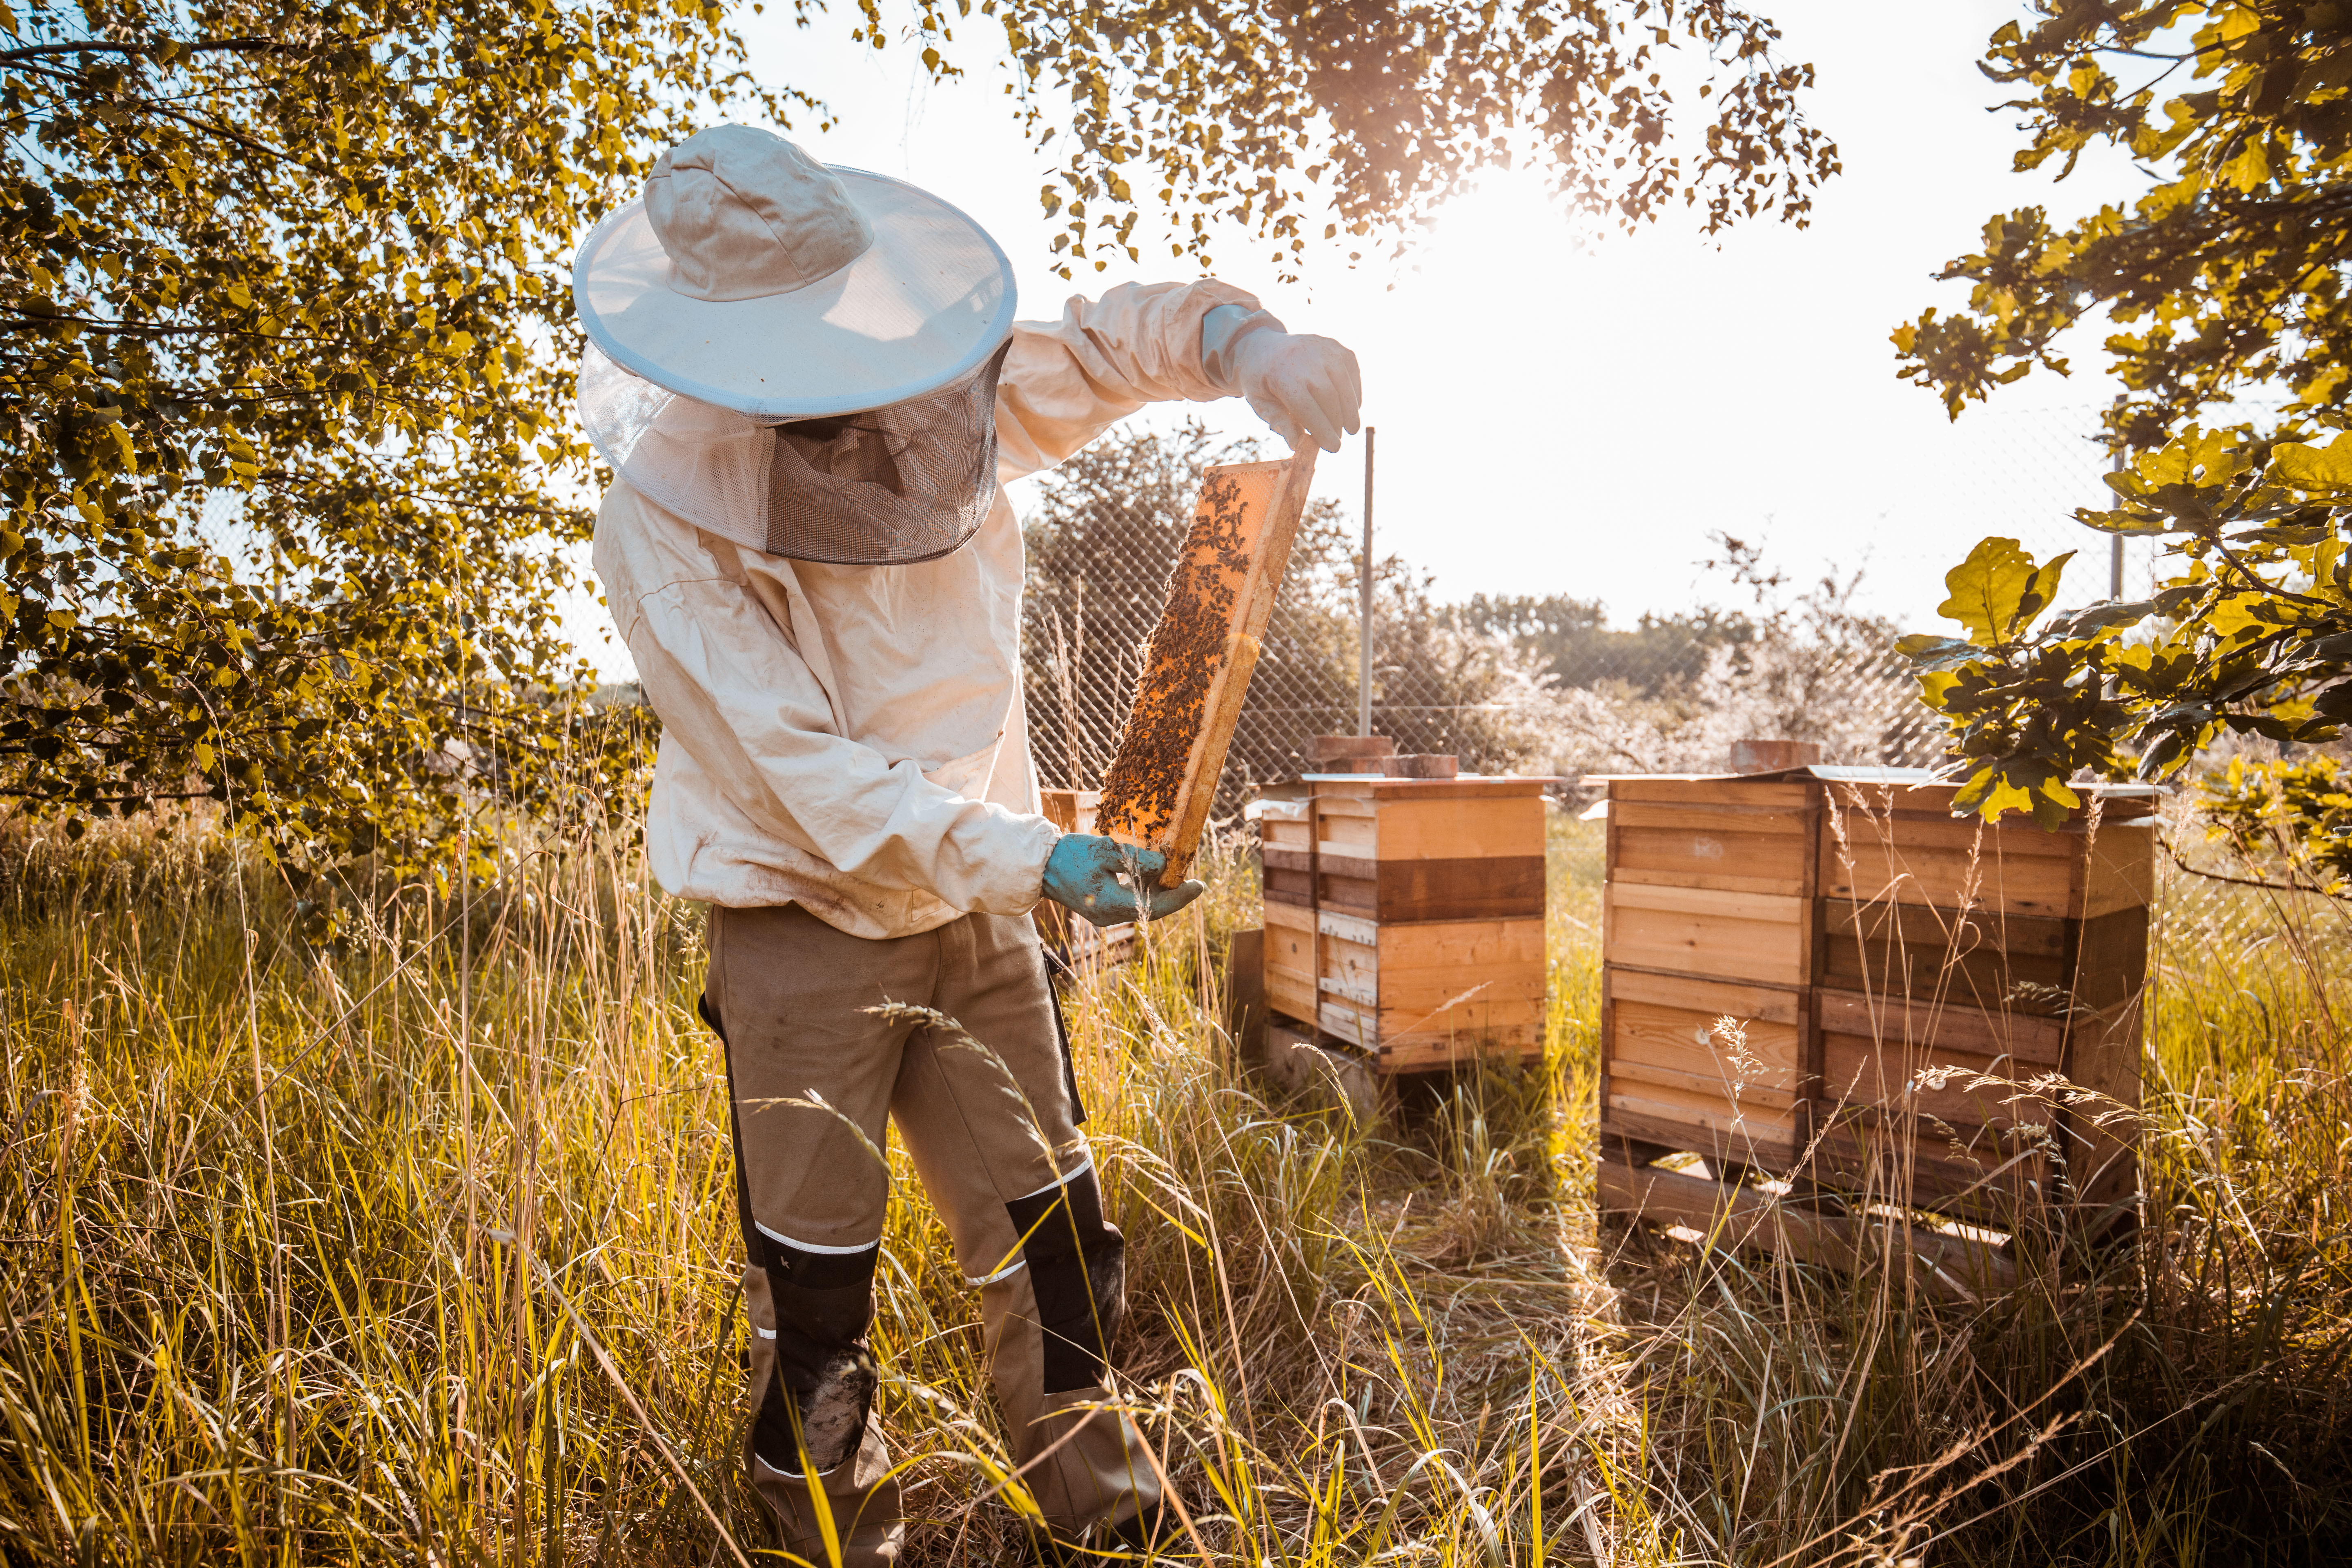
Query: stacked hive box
{"points": [[1405, 916], [1825, 967]]}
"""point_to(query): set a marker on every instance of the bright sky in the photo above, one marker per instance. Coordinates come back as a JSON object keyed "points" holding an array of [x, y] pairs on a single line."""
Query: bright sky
{"points": [[1562, 408]]}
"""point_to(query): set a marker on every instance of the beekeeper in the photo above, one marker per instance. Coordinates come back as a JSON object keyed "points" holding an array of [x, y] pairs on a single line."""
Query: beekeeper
{"points": [[811, 389]]}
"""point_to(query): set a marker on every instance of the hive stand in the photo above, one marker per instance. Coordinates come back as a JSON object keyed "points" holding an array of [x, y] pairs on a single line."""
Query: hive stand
{"points": [[1404, 927], [1906, 983]]}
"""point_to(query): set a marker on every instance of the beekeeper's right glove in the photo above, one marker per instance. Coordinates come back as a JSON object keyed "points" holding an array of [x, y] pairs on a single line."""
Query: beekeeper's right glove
{"points": [[1305, 387], [1097, 877]]}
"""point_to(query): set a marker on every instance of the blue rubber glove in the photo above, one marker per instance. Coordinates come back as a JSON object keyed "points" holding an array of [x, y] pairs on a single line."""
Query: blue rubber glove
{"points": [[1097, 877]]}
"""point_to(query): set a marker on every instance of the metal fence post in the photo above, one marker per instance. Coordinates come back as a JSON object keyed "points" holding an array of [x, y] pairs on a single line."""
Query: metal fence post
{"points": [[1364, 636], [2115, 541]]}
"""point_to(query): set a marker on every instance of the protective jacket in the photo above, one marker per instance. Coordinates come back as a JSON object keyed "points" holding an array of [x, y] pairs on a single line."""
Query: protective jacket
{"points": [[850, 739]]}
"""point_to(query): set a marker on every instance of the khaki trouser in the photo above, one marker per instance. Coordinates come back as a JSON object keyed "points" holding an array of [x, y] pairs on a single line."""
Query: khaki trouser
{"points": [[1009, 1172]]}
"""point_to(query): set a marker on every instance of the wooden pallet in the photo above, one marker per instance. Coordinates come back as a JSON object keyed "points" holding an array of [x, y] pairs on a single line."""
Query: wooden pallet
{"points": [[1953, 1265], [1294, 1059], [1895, 981]]}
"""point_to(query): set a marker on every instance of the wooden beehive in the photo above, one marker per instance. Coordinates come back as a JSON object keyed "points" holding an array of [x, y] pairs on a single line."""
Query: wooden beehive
{"points": [[1196, 671], [1908, 986], [1405, 916]]}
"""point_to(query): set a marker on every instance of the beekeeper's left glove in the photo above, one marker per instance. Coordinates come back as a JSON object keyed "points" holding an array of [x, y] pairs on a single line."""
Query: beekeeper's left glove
{"points": [[1097, 876]]}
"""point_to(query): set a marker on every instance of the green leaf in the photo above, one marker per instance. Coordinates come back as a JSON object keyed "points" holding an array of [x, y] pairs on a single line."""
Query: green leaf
{"points": [[2313, 469], [2165, 754], [1932, 652], [2262, 724], [2042, 592], [1989, 793], [2198, 458], [2121, 521], [1991, 590], [2104, 616]]}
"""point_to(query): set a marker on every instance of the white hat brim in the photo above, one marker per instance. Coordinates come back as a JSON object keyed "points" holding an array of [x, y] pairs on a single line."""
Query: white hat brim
{"points": [[924, 305]]}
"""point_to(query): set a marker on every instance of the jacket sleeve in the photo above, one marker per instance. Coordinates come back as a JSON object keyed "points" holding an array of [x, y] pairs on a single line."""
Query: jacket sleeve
{"points": [[1066, 381], [716, 652]]}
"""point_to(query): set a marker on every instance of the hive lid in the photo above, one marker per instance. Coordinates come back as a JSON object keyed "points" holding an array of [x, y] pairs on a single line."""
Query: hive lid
{"points": [[1389, 783], [1834, 773]]}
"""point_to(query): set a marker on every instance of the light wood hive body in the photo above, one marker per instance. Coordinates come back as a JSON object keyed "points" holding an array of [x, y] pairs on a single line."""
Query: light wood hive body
{"points": [[1405, 916], [1862, 937], [1221, 593]]}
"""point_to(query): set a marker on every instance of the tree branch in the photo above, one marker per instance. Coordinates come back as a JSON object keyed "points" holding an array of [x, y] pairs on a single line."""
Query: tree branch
{"points": [[157, 330], [2243, 881], [193, 45]]}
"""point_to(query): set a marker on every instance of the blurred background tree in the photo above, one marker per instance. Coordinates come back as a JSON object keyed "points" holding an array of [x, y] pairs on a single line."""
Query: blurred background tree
{"points": [[292, 461], [1102, 536], [1793, 662], [2291, 821], [1571, 641]]}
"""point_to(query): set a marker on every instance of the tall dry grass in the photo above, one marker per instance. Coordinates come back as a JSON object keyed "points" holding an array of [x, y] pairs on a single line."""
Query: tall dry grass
{"points": [[421, 1249]]}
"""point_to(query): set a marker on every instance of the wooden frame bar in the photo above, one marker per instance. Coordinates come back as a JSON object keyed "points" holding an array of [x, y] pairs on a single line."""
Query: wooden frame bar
{"points": [[1161, 782]]}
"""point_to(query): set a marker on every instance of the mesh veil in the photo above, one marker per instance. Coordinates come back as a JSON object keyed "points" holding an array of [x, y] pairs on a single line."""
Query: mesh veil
{"points": [[884, 486]]}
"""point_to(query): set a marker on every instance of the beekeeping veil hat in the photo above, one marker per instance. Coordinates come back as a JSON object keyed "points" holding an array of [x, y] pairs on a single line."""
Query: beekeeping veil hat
{"points": [[800, 358]]}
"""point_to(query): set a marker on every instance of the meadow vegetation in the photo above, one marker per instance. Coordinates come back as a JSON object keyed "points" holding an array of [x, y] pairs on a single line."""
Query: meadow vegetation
{"points": [[420, 1248]]}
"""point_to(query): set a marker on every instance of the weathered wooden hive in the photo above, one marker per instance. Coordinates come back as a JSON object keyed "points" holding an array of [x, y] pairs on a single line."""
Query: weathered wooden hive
{"points": [[1908, 987], [1404, 917]]}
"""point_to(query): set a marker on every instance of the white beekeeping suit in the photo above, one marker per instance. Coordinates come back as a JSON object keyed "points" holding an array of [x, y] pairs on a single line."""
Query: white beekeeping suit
{"points": [[811, 387], [851, 738]]}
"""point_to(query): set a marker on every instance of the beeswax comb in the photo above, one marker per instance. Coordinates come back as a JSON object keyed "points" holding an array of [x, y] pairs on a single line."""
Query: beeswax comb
{"points": [[1197, 666]]}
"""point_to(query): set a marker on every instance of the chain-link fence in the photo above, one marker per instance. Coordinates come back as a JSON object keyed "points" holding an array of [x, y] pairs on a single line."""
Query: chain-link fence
{"points": [[1539, 682], [2021, 473], [1102, 536], [1536, 681]]}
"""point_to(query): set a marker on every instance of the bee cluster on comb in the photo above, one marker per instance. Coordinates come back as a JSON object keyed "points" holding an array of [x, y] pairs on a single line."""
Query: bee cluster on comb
{"points": [[1197, 668]]}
